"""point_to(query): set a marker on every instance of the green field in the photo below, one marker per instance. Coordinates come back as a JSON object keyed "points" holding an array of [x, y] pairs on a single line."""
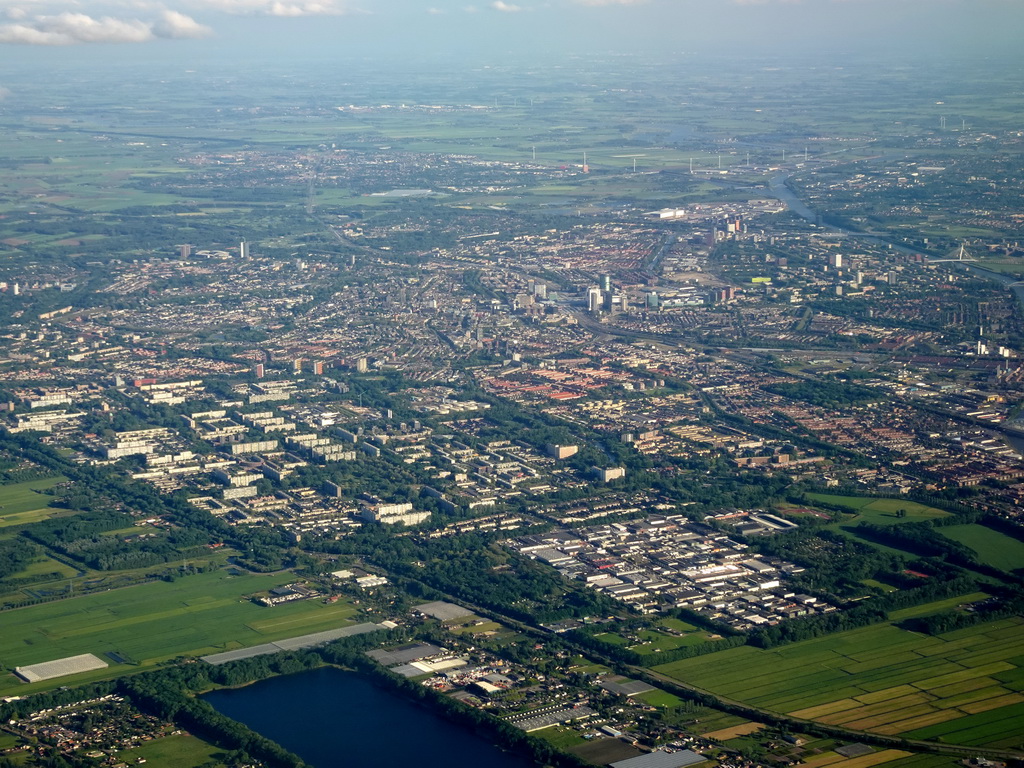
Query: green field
{"points": [[992, 547], [8, 740], [878, 585], [562, 736], [172, 752], [876, 512], [879, 511], [21, 503], [490, 626], [44, 566], [659, 699], [884, 679], [656, 639], [156, 621]]}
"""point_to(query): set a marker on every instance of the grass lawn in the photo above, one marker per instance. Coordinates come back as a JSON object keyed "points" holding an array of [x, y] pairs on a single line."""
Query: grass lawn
{"points": [[561, 736], [678, 625], [659, 642], [874, 511], [20, 503], [8, 740], [152, 622], [992, 547], [172, 752], [591, 669], [654, 640], [880, 511], [467, 629], [46, 565], [883, 679], [878, 585]]}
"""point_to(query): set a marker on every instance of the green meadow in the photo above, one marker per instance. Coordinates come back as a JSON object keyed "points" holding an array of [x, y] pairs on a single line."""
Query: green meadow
{"points": [[880, 511], [992, 547], [665, 634], [156, 621], [172, 752], [22, 503]]}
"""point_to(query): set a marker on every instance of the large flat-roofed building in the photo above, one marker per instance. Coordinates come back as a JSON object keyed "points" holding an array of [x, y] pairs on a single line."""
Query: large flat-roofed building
{"points": [[71, 665], [291, 643], [680, 759], [405, 654], [443, 611]]}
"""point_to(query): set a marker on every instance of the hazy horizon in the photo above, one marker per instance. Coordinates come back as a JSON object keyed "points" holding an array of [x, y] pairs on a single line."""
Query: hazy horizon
{"points": [[254, 33]]}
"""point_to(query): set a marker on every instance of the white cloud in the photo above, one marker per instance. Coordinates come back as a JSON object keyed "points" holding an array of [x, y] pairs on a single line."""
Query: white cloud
{"points": [[302, 9], [501, 5], [280, 7], [603, 3], [177, 26], [72, 28], [434, 11]]}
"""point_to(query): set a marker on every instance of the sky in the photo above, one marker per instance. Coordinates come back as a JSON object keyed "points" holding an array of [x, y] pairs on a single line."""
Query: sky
{"points": [[39, 30]]}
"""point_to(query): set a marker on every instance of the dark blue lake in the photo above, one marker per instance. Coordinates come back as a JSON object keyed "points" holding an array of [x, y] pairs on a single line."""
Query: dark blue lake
{"points": [[331, 718]]}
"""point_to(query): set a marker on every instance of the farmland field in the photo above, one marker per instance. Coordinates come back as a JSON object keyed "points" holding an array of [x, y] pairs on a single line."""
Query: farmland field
{"points": [[964, 687], [156, 621], [889, 758], [992, 547]]}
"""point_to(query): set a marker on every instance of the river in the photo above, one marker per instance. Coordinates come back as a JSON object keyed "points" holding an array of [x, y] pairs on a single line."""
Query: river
{"points": [[336, 719], [779, 188], [1006, 280]]}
